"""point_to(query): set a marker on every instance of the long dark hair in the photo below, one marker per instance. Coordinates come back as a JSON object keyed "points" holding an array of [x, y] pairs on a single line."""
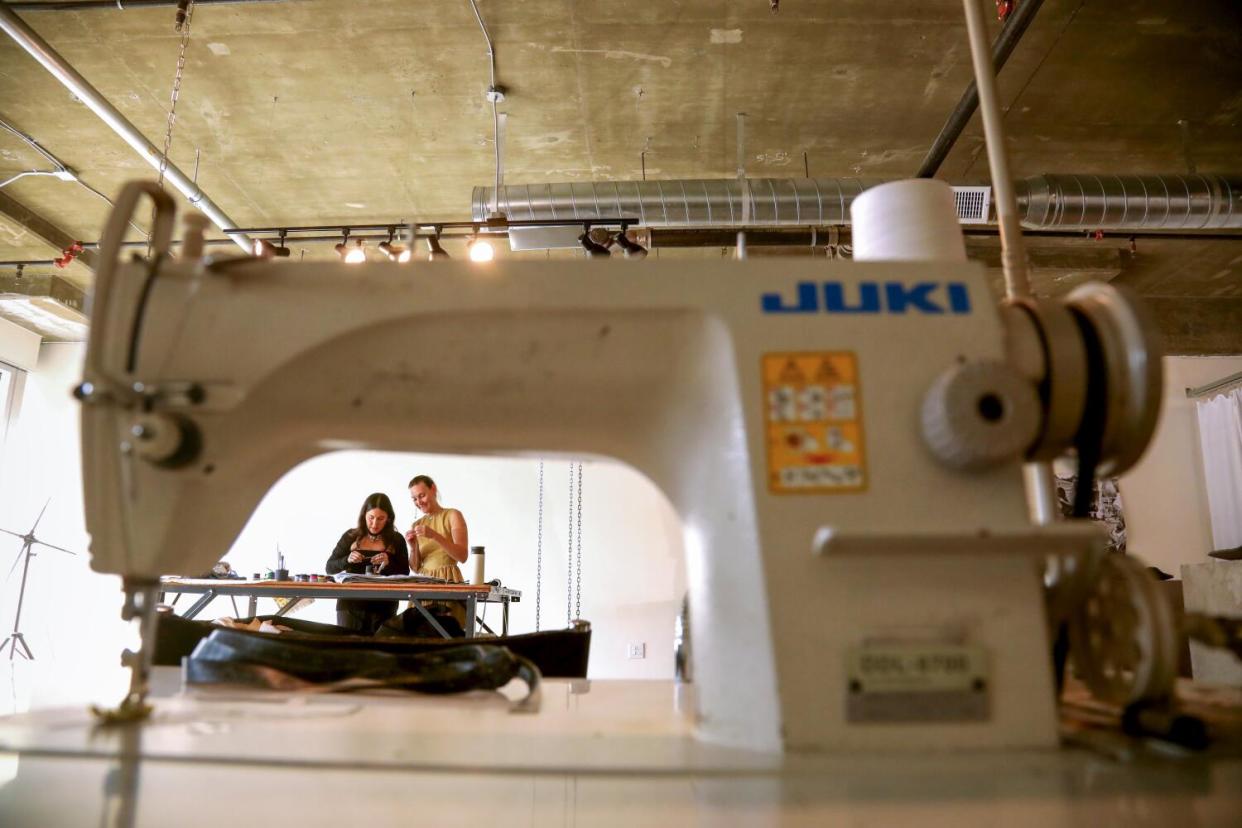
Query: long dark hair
{"points": [[379, 500]]}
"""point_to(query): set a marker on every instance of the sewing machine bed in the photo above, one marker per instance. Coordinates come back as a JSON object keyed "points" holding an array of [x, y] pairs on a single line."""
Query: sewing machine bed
{"points": [[557, 653], [598, 753]]}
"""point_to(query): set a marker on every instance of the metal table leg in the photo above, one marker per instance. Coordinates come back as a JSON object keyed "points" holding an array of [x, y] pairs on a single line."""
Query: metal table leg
{"points": [[254, 605], [471, 601], [431, 619], [504, 617], [198, 605], [288, 607]]}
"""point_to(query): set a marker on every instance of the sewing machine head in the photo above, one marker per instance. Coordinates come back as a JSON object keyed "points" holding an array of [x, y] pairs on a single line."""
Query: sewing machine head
{"points": [[843, 442]]}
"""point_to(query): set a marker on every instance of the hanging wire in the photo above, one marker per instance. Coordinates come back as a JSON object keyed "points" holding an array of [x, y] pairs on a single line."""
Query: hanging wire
{"points": [[61, 167], [578, 563], [491, 59], [569, 553], [539, 554], [33, 144]]}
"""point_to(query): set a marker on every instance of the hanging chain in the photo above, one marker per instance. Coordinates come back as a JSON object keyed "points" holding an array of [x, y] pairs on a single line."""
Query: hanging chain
{"points": [[569, 553], [176, 89], [578, 564], [539, 553], [183, 25]]}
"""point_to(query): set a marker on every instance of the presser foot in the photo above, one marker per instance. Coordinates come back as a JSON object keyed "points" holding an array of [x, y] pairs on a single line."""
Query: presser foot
{"points": [[140, 601]]}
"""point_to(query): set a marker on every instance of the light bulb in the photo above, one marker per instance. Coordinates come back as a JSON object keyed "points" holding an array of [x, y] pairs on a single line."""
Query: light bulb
{"points": [[481, 251], [395, 252], [356, 255]]}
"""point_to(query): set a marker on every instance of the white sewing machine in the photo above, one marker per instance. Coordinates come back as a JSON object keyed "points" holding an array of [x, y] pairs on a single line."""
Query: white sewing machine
{"points": [[843, 442]]}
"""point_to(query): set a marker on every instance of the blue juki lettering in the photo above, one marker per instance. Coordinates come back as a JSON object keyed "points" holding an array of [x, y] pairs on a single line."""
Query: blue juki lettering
{"points": [[868, 298], [959, 299], [808, 301], [915, 296]]}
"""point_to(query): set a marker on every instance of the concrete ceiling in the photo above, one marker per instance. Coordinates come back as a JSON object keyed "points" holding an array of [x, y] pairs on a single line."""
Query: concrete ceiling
{"points": [[329, 112]]}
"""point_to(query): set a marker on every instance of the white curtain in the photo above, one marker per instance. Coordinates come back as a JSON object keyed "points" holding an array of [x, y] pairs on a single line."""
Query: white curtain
{"points": [[1220, 437]]}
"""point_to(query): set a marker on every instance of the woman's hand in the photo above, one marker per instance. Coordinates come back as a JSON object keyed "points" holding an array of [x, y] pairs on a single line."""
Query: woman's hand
{"points": [[379, 560], [424, 531], [356, 557]]}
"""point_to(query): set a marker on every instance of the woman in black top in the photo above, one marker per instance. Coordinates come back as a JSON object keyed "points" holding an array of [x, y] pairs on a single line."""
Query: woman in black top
{"points": [[373, 542]]}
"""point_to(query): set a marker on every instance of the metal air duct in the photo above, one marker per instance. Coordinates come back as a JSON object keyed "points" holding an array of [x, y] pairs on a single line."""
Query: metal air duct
{"points": [[717, 202], [1089, 202], [1131, 202]]}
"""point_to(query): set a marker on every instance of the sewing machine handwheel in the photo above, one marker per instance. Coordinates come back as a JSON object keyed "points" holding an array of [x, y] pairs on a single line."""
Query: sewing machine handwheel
{"points": [[1122, 639], [1134, 380]]}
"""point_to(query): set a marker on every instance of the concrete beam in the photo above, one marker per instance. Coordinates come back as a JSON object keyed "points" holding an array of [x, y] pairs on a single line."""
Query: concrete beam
{"points": [[1198, 327], [42, 228], [1101, 263], [51, 286]]}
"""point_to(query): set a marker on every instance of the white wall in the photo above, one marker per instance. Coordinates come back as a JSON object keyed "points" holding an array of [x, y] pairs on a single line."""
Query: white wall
{"points": [[1163, 497], [18, 346]]}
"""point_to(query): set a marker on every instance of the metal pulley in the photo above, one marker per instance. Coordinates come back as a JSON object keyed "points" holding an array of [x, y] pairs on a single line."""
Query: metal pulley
{"points": [[1131, 374], [166, 440], [1082, 375]]}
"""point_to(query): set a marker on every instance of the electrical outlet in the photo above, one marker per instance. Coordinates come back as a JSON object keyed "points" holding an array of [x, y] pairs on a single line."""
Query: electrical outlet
{"points": [[636, 650]]}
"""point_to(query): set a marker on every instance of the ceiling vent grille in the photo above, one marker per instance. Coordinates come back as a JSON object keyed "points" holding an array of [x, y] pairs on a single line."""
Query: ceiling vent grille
{"points": [[973, 204]]}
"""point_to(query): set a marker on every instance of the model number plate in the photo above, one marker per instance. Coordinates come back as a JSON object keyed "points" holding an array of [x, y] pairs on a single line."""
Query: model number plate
{"points": [[924, 682]]}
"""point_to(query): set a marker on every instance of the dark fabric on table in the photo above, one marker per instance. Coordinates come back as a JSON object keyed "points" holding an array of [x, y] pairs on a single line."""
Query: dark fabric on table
{"points": [[279, 662], [557, 653]]}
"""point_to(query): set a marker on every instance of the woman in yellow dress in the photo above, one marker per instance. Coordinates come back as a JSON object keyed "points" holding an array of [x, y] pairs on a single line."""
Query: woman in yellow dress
{"points": [[438, 540]]}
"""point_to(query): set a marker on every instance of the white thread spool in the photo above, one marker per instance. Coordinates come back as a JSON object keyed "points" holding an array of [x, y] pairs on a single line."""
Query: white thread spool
{"points": [[907, 221]]}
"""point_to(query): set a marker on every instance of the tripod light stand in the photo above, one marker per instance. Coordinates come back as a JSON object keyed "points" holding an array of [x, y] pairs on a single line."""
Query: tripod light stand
{"points": [[16, 639]]}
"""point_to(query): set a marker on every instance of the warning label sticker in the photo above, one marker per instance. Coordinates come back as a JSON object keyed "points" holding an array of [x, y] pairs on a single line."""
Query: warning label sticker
{"points": [[813, 419]]}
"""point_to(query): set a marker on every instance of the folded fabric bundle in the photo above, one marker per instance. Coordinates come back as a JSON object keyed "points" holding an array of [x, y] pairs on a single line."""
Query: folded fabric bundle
{"points": [[351, 578], [232, 657], [254, 625]]}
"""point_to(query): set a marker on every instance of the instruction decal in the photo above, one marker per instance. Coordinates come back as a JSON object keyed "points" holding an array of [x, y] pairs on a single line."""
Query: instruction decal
{"points": [[813, 423]]}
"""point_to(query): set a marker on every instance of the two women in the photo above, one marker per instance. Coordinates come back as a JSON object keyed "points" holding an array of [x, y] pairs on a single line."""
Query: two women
{"points": [[438, 542]]}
